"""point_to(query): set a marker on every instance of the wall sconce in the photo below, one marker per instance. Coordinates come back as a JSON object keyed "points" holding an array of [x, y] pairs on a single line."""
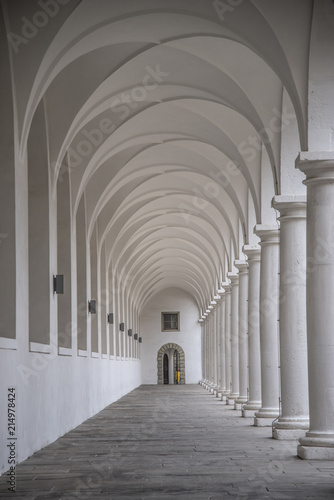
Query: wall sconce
{"points": [[58, 283], [121, 327], [110, 318], [140, 340], [130, 332], [135, 336], [92, 306]]}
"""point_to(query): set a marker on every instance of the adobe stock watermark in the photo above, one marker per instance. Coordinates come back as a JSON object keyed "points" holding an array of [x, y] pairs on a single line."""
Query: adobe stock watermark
{"points": [[40, 19], [121, 108], [253, 144], [226, 7], [249, 149], [210, 191]]}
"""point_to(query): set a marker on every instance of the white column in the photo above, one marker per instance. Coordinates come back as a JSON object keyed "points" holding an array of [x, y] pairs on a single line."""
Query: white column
{"points": [[218, 391], [206, 350], [234, 338], [269, 285], [201, 322], [209, 348], [319, 169], [215, 345], [222, 346], [242, 266], [254, 353], [294, 419], [227, 289], [211, 336]]}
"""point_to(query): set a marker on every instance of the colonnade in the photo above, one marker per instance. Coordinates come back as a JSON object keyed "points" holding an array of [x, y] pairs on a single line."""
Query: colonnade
{"points": [[274, 345]]}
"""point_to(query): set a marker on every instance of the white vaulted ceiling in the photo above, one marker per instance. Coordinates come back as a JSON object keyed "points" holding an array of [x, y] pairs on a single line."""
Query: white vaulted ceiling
{"points": [[183, 95]]}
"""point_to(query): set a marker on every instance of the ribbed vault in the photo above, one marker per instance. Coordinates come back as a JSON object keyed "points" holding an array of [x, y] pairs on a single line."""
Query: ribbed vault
{"points": [[173, 146]]}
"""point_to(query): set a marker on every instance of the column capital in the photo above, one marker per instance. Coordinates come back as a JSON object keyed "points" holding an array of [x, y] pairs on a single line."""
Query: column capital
{"points": [[226, 285], [242, 266], [318, 166], [291, 207], [268, 233], [234, 277], [253, 252]]}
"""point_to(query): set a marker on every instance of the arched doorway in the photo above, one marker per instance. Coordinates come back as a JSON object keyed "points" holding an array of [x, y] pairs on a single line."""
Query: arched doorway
{"points": [[178, 364], [165, 369]]}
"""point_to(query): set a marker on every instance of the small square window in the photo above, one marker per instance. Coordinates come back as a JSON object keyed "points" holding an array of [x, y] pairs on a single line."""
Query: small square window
{"points": [[170, 322]]}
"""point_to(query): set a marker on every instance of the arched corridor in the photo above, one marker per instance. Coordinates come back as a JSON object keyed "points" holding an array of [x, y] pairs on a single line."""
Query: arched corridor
{"points": [[167, 188]]}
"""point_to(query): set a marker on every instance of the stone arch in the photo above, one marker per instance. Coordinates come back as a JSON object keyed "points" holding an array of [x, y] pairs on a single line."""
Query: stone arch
{"points": [[161, 353]]}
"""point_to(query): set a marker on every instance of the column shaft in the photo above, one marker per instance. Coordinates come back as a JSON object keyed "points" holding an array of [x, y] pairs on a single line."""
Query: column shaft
{"points": [[234, 338], [254, 351], [243, 334], [319, 169], [218, 347], [222, 347], [269, 284], [294, 417], [228, 338]]}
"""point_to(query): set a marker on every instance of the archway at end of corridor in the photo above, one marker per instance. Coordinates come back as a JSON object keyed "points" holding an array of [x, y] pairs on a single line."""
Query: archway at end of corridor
{"points": [[171, 365]]}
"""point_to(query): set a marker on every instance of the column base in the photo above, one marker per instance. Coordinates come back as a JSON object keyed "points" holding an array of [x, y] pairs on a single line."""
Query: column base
{"points": [[265, 417], [290, 428], [219, 392], [225, 395], [231, 398], [315, 446], [288, 434], [239, 402], [249, 409]]}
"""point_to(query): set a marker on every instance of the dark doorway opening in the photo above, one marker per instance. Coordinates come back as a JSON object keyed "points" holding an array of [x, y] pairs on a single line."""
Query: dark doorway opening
{"points": [[177, 372], [166, 374]]}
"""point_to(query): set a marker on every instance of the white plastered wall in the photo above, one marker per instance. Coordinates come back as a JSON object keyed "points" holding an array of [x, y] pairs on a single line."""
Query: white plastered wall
{"points": [[54, 394]]}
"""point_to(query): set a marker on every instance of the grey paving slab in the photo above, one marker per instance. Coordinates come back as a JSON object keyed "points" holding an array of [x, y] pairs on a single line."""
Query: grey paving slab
{"points": [[164, 442]]}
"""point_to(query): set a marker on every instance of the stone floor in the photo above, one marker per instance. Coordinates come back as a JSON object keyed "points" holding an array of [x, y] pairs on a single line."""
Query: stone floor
{"points": [[163, 442]]}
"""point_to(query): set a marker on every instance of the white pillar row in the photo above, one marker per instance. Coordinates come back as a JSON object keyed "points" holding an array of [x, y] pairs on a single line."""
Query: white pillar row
{"points": [[222, 294], [319, 169], [254, 353], [294, 419], [269, 286], [234, 338], [227, 289], [242, 266]]}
